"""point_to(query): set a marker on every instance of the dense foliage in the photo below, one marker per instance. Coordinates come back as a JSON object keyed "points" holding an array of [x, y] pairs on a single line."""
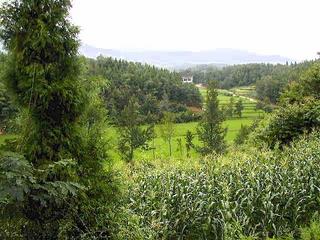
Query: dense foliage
{"points": [[7, 109], [157, 90], [57, 169], [288, 122], [297, 113]]}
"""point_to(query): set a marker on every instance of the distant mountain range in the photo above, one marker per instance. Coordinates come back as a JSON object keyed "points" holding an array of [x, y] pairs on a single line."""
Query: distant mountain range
{"points": [[184, 59]]}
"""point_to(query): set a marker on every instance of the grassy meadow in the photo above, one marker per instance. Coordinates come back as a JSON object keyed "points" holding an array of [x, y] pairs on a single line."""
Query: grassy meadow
{"points": [[161, 148]]}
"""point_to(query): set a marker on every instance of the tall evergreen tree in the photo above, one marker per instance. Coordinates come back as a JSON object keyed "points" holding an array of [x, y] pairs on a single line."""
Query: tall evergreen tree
{"points": [[43, 76], [239, 108], [230, 108], [210, 131]]}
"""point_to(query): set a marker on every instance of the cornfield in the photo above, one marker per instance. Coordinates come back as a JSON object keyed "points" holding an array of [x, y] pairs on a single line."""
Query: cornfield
{"points": [[262, 194]]}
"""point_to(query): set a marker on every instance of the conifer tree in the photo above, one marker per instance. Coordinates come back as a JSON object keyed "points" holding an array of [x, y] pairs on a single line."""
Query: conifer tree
{"points": [[230, 108], [55, 162], [239, 108], [210, 131]]}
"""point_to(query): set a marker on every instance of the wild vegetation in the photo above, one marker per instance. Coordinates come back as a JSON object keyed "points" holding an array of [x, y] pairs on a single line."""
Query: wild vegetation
{"points": [[110, 149]]}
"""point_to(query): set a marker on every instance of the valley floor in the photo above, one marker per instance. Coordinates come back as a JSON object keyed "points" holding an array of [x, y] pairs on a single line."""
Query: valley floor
{"points": [[161, 148]]}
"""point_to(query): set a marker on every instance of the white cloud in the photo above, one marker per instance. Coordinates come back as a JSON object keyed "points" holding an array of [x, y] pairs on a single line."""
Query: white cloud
{"points": [[285, 27]]}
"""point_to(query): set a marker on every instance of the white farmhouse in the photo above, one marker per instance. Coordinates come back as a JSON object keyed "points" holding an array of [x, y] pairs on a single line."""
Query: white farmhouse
{"points": [[187, 79]]}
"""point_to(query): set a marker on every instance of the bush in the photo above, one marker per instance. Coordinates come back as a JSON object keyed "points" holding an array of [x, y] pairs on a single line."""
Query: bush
{"points": [[244, 133], [188, 116], [288, 123]]}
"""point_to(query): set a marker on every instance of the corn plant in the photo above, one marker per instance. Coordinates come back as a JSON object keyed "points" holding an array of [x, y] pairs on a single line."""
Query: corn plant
{"points": [[266, 194]]}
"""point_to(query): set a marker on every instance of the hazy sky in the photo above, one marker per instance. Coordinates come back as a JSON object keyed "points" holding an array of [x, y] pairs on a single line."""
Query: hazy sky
{"points": [[286, 27]]}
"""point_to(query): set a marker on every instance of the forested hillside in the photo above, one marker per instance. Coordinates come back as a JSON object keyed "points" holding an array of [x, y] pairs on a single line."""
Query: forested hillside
{"points": [[270, 79], [155, 90]]}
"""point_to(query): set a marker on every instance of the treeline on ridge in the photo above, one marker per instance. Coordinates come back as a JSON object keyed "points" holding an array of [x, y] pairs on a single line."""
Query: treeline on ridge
{"points": [[155, 90], [270, 79]]}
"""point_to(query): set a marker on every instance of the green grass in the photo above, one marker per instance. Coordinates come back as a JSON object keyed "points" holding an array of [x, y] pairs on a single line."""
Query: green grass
{"points": [[233, 125], [248, 103], [161, 147]]}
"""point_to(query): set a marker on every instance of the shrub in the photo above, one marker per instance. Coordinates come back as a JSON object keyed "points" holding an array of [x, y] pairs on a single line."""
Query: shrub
{"points": [[187, 116], [288, 123]]}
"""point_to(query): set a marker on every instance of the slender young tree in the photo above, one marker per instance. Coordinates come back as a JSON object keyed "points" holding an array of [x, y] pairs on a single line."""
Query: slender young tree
{"points": [[210, 130], [167, 129], [153, 137], [180, 147], [189, 143], [242, 135], [132, 134]]}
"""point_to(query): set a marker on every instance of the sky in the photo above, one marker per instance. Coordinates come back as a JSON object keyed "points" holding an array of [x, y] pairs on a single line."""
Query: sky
{"points": [[288, 28]]}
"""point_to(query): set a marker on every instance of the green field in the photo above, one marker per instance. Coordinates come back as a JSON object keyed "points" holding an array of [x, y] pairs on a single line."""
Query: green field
{"points": [[244, 93], [233, 125], [161, 148], [248, 91]]}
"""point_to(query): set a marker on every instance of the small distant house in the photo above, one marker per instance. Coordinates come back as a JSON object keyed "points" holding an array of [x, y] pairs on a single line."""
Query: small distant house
{"points": [[187, 79]]}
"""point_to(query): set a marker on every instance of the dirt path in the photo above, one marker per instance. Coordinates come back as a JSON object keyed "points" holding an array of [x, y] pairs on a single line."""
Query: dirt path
{"points": [[244, 97]]}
